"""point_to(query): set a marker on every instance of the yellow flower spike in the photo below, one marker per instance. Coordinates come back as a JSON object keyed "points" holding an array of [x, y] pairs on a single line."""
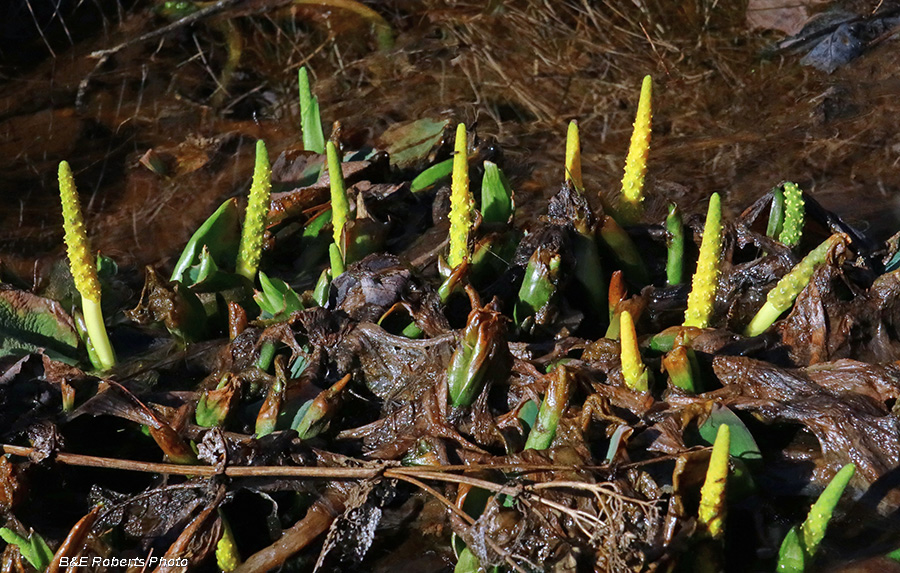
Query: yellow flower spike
{"points": [[461, 202], [254, 227], [84, 269], [631, 207], [573, 156], [706, 277], [633, 370], [712, 494]]}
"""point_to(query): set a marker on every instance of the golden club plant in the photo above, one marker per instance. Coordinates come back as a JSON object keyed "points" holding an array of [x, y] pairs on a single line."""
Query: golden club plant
{"points": [[84, 268]]}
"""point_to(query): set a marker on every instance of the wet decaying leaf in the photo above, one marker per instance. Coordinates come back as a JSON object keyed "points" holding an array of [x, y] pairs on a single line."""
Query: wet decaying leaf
{"points": [[842, 403]]}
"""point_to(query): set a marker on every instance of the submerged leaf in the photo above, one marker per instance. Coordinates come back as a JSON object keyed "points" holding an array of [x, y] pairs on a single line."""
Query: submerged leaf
{"points": [[29, 323]]}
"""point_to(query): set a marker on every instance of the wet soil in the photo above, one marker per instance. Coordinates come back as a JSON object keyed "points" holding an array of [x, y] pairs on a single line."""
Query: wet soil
{"points": [[730, 115]]}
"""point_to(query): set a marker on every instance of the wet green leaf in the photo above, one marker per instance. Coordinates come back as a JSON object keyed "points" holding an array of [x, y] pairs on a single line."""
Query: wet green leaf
{"points": [[496, 195], [33, 548], [220, 234], [432, 175], [277, 299], [743, 446]]}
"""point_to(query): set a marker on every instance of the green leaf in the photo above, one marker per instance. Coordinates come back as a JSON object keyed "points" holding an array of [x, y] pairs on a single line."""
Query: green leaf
{"points": [[310, 119], [496, 195], [432, 175], [33, 548], [743, 446], [29, 322], [791, 558], [277, 299], [220, 234]]}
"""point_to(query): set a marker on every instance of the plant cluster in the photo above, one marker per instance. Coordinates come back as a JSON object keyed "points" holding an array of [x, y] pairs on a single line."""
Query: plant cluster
{"points": [[559, 390]]}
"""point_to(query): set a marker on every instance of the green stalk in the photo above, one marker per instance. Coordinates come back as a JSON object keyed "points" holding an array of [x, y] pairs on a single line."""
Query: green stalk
{"points": [[461, 202], [573, 157], [84, 268], [633, 370], [310, 119], [794, 213], [552, 407], [712, 496], [789, 287], [254, 228], [706, 277], [624, 250], [674, 246], [631, 207]]}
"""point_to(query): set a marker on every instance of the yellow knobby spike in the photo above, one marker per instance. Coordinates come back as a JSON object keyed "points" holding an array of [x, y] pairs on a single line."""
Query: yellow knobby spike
{"points": [[633, 370], [573, 156], [631, 207], [254, 227], [461, 202], [84, 269], [712, 495], [706, 277]]}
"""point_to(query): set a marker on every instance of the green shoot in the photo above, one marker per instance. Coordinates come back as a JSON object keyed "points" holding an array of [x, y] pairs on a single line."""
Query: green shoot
{"points": [[461, 202], [631, 207], [674, 246], [554, 404], [789, 287], [496, 196], [310, 120], [254, 228], [84, 269], [313, 417], [267, 418], [542, 275], [706, 277], [677, 363], [482, 341], [633, 370], [794, 213], [712, 494]]}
